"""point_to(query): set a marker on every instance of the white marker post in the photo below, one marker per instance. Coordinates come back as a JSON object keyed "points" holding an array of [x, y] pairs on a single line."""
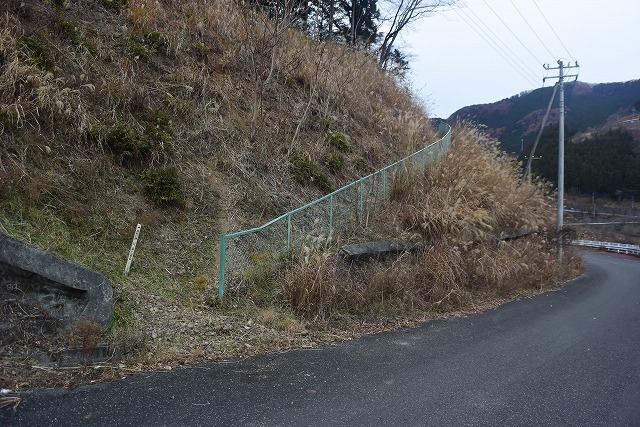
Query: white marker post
{"points": [[133, 249]]}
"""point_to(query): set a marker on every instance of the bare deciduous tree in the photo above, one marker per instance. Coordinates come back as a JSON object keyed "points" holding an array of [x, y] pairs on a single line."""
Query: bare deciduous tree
{"points": [[403, 13], [264, 29]]}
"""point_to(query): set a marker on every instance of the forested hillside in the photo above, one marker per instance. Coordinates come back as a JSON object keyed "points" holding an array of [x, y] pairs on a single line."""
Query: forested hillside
{"points": [[519, 117], [604, 164], [602, 130]]}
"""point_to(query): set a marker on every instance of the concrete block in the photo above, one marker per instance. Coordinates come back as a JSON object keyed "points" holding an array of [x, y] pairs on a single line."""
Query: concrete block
{"points": [[376, 250], [82, 292]]}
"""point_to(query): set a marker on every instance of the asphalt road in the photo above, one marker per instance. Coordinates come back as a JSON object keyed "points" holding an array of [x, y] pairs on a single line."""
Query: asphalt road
{"points": [[565, 358]]}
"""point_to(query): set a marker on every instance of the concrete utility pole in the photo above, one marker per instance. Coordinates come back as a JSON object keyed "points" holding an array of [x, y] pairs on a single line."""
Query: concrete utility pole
{"points": [[561, 76]]}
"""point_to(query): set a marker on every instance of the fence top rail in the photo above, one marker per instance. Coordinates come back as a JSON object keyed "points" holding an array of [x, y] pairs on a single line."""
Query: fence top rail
{"points": [[333, 193]]}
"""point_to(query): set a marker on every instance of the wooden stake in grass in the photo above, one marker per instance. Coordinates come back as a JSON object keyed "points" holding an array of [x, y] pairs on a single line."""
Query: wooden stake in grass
{"points": [[133, 249]]}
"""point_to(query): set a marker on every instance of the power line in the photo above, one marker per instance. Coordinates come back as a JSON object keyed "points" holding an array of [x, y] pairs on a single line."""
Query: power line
{"points": [[514, 34], [529, 79], [554, 31], [494, 45], [531, 28], [495, 37]]}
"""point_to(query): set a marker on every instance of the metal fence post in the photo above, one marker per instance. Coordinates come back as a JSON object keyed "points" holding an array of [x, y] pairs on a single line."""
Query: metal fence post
{"points": [[330, 216], [288, 235], [361, 205], [223, 250]]}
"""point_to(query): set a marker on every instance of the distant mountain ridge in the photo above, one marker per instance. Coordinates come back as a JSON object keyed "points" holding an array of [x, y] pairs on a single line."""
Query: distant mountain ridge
{"points": [[588, 106]]}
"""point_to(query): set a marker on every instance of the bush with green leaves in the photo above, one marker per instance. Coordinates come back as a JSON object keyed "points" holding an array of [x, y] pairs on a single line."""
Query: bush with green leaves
{"points": [[138, 146], [162, 185], [76, 34], [159, 129], [144, 45], [115, 5], [125, 141], [37, 50], [338, 140], [305, 171], [334, 162]]}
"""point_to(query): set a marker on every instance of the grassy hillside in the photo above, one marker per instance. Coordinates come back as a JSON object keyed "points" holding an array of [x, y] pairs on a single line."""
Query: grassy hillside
{"points": [[184, 119], [193, 119]]}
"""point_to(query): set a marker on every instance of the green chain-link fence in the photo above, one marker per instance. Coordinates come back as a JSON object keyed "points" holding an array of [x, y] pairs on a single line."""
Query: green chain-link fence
{"points": [[343, 212]]}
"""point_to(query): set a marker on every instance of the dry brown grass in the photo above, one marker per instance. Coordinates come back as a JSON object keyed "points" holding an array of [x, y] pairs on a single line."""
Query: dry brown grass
{"points": [[243, 89], [86, 334], [444, 278], [34, 97], [473, 194], [484, 235]]}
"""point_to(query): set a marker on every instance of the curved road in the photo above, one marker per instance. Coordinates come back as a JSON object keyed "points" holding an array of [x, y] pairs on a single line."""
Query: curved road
{"points": [[565, 358]]}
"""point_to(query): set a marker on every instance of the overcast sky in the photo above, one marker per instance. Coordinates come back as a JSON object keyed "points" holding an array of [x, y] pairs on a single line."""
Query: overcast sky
{"points": [[453, 66]]}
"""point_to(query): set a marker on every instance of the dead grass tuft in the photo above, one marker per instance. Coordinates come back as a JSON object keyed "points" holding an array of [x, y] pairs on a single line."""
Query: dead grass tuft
{"points": [[473, 194], [85, 333], [10, 401], [309, 288]]}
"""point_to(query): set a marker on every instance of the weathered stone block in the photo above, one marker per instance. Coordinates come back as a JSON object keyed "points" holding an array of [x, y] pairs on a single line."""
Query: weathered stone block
{"points": [[376, 250], [67, 290]]}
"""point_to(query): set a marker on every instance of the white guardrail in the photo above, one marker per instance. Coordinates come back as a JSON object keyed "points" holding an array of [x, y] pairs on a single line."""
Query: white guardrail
{"points": [[620, 248]]}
